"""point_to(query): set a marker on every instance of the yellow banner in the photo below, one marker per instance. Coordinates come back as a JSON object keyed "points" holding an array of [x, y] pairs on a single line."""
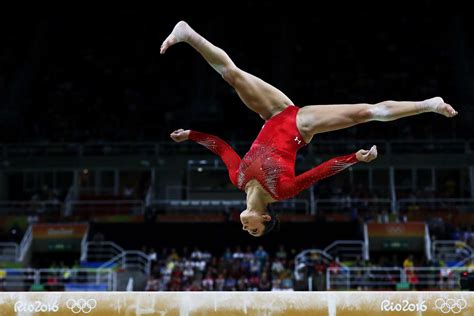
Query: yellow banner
{"points": [[238, 303]]}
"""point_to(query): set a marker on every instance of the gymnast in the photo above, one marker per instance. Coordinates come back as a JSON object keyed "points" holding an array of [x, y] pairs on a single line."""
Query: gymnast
{"points": [[267, 172]]}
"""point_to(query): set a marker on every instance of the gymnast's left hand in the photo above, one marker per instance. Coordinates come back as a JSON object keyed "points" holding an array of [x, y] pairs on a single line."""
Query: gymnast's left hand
{"points": [[367, 155], [180, 135]]}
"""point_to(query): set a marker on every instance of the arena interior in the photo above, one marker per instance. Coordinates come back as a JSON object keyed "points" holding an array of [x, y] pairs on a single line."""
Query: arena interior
{"points": [[95, 196]]}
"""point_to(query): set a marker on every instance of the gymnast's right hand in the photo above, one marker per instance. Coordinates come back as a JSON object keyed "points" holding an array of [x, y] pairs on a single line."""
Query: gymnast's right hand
{"points": [[180, 135], [367, 155]]}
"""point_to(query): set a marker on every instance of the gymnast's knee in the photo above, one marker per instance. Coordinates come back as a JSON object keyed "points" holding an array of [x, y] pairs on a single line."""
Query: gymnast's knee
{"points": [[369, 112], [231, 74], [382, 111]]}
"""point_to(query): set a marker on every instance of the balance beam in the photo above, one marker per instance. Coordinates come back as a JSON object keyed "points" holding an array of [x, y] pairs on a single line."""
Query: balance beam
{"points": [[237, 303]]}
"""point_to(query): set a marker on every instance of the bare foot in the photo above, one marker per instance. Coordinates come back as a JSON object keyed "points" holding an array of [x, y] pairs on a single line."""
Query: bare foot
{"points": [[179, 34], [438, 105]]}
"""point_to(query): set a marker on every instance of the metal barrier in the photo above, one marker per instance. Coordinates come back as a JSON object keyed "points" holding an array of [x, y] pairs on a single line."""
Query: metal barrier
{"points": [[210, 206], [8, 252], [341, 207], [12, 252], [112, 255], [309, 258], [130, 260], [431, 147], [130, 207], [18, 279], [349, 278], [347, 250], [26, 208], [26, 243], [324, 206], [427, 278], [170, 148], [452, 251], [461, 205], [343, 250], [58, 279], [377, 278], [78, 278], [206, 206], [347, 205], [102, 251]]}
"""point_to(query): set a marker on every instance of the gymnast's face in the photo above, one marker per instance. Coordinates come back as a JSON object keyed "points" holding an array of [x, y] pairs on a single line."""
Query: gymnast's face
{"points": [[252, 222]]}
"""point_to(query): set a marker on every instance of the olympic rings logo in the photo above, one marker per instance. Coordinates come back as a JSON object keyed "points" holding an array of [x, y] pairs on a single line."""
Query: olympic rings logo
{"points": [[81, 305], [450, 305]]}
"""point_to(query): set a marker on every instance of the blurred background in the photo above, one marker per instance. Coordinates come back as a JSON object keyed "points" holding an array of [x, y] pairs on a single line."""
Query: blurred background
{"points": [[95, 196]]}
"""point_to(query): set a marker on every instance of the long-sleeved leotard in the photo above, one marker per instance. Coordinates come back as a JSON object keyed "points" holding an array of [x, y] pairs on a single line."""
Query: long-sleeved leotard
{"points": [[271, 158]]}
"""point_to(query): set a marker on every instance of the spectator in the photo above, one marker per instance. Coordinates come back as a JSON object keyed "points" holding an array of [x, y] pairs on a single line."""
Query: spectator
{"points": [[261, 255], [208, 283], [412, 278], [153, 284], [227, 256], [152, 256], [265, 284], [281, 253], [220, 282], [196, 254]]}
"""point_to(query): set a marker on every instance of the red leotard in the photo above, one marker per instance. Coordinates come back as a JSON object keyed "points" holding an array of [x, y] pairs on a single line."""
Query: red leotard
{"points": [[271, 158]]}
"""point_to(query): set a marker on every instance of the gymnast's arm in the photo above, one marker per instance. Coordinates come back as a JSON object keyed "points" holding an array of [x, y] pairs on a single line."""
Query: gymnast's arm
{"points": [[327, 169], [214, 144]]}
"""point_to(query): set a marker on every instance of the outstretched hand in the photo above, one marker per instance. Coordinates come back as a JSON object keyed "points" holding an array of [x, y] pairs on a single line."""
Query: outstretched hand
{"points": [[367, 155], [180, 135]]}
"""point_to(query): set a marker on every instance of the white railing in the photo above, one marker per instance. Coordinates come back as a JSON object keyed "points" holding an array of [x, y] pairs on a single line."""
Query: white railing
{"points": [[347, 250], [347, 205], [445, 279], [130, 260], [95, 279], [129, 287], [385, 147], [309, 258], [452, 251], [100, 251], [337, 207], [26, 243], [18, 208], [427, 243], [19, 279], [59, 279], [112, 255], [430, 146], [377, 278], [84, 244], [8, 252], [352, 278], [130, 207], [168, 148], [203, 205], [452, 204], [340, 251]]}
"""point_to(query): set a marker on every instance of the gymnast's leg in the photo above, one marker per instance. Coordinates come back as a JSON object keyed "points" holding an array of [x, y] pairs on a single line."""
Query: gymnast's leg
{"points": [[257, 95], [314, 119]]}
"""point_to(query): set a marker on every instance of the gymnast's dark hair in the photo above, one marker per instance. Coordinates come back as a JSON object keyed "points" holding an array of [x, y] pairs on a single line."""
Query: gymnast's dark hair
{"points": [[273, 224]]}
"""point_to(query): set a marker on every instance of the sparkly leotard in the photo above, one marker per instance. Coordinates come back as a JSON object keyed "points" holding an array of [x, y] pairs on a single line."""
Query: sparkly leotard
{"points": [[271, 158]]}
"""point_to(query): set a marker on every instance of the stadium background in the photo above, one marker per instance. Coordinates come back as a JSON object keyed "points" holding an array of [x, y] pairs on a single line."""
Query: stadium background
{"points": [[87, 105]]}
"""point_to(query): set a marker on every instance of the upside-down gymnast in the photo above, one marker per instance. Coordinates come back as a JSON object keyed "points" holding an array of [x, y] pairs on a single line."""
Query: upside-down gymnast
{"points": [[267, 171]]}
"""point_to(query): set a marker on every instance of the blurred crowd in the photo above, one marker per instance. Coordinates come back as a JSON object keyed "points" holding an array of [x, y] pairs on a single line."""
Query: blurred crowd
{"points": [[234, 270], [258, 270]]}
